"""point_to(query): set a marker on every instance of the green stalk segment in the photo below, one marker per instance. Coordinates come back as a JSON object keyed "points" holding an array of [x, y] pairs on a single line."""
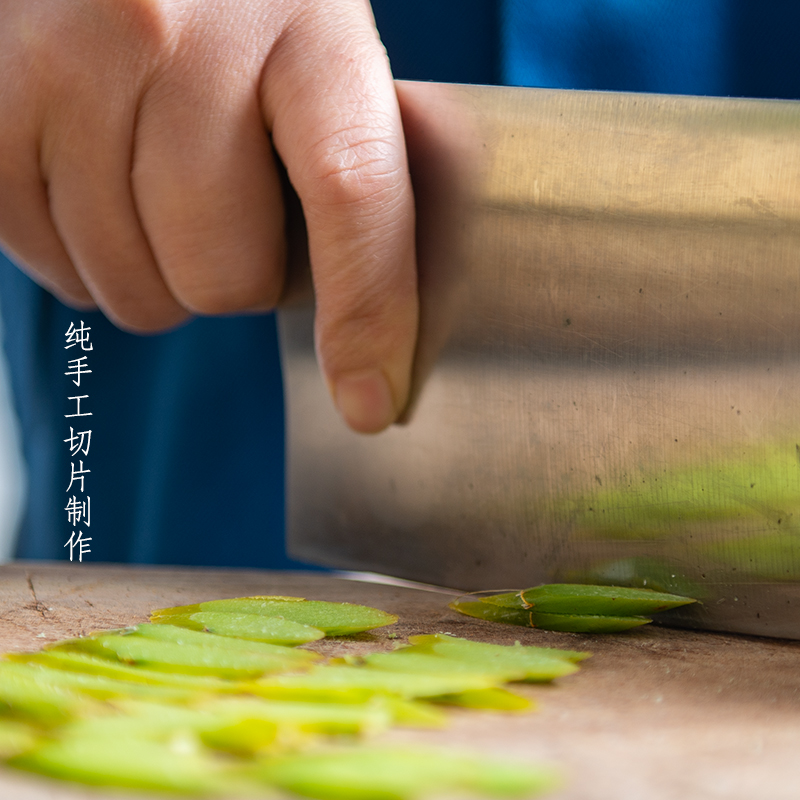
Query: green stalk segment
{"points": [[577, 599], [496, 699], [24, 697], [371, 773], [572, 608], [571, 623], [16, 738], [177, 765]]}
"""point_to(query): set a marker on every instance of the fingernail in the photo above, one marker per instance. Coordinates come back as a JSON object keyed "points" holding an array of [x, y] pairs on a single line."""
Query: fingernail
{"points": [[365, 400]]}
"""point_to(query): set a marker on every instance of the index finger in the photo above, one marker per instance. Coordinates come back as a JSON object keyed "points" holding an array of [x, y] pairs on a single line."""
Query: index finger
{"points": [[330, 101]]}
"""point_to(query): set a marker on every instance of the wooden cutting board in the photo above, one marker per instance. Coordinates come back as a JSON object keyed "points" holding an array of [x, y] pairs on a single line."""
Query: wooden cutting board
{"points": [[657, 713]]}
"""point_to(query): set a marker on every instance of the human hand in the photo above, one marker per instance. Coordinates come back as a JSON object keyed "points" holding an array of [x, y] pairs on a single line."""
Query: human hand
{"points": [[137, 170]]}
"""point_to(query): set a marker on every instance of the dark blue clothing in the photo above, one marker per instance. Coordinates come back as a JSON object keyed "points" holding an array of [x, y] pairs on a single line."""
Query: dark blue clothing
{"points": [[740, 48], [187, 448], [186, 452]]}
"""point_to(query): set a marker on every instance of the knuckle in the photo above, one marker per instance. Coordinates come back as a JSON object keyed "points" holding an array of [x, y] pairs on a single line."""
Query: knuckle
{"points": [[355, 167], [61, 50], [138, 28], [146, 24]]}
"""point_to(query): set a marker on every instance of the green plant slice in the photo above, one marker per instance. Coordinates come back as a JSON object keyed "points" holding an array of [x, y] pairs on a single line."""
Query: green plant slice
{"points": [[160, 723], [372, 773], [532, 669], [180, 616], [325, 718], [250, 627], [23, 696], [406, 660], [244, 738], [580, 599], [292, 635], [87, 664], [461, 656], [177, 766], [345, 684], [335, 619], [16, 738], [326, 682], [157, 722], [448, 645], [98, 686], [540, 663], [414, 713], [188, 659], [496, 699], [256, 627]]}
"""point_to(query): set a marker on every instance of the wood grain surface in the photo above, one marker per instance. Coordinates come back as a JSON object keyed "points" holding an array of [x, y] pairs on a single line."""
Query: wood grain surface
{"points": [[656, 713]]}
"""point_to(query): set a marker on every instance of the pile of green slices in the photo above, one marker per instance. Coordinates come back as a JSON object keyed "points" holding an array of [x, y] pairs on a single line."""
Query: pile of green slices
{"points": [[221, 698]]}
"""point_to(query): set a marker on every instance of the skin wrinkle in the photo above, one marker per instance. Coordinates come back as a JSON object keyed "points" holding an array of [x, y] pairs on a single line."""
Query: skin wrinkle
{"points": [[347, 186], [354, 142], [352, 135], [359, 296], [364, 327], [358, 293], [214, 286], [371, 281], [354, 287], [351, 165]]}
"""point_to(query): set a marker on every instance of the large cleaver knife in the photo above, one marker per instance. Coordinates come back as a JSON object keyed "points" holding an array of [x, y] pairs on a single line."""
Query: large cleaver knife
{"points": [[607, 382]]}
